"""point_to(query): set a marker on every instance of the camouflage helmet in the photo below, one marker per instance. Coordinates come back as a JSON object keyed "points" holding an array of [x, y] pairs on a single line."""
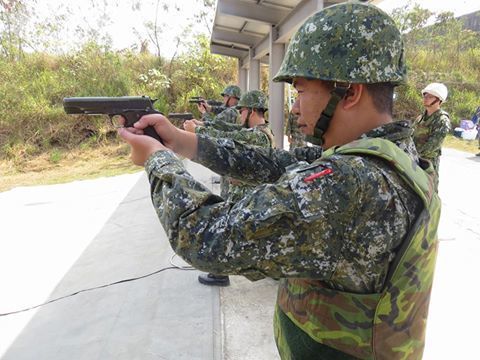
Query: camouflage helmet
{"points": [[232, 90], [349, 42], [254, 99]]}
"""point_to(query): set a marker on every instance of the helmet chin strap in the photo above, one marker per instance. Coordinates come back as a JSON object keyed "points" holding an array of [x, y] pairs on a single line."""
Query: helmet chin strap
{"points": [[434, 102], [337, 94], [247, 120]]}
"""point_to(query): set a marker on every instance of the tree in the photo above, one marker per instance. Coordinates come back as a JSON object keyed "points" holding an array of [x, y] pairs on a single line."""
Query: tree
{"points": [[13, 17], [433, 43]]}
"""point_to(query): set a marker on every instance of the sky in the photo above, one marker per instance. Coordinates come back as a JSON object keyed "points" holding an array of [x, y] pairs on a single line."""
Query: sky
{"points": [[458, 7], [123, 23], [126, 26]]}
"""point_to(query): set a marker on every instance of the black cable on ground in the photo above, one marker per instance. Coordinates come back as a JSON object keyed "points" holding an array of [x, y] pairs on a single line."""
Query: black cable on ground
{"points": [[173, 267]]}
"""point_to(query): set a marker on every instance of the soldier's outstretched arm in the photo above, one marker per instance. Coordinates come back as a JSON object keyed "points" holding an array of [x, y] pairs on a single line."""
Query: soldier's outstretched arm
{"points": [[276, 231], [250, 163], [252, 136], [223, 126]]}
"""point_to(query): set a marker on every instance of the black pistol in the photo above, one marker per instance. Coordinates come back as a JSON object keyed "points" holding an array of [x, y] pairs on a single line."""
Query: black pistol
{"points": [[132, 108]]}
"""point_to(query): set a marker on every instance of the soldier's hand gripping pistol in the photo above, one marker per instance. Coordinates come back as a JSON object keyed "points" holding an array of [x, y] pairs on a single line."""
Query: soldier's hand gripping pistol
{"points": [[132, 108]]}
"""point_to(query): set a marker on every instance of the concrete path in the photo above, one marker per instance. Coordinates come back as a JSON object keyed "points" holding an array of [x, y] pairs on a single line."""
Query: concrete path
{"points": [[168, 315], [63, 238]]}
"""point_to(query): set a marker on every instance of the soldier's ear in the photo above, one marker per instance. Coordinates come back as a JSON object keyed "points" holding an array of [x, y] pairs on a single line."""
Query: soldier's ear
{"points": [[353, 96]]}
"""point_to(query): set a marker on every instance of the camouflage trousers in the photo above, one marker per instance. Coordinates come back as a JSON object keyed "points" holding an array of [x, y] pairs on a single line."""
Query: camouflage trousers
{"points": [[294, 344], [436, 166]]}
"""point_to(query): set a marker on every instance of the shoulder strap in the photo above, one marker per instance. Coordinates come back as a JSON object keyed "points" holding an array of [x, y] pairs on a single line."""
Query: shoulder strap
{"points": [[420, 180]]}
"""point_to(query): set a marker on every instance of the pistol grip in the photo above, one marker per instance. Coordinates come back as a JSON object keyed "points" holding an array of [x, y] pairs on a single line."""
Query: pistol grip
{"points": [[150, 131], [132, 117]]}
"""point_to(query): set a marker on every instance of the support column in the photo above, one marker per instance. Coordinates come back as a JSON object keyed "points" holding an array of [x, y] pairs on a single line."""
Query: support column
{"points": [[276, 99], [320, 5], [242, 77], [253, 72]]}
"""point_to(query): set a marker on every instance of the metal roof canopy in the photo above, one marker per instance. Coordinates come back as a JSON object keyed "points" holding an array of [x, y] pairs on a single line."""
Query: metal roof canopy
{"points": [[244, 25], [252, 30]]}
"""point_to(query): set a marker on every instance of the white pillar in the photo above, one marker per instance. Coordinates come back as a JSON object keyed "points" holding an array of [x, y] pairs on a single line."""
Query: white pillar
{"points": [[242, 77], [276, 96], [253, 72], [320, 5]]}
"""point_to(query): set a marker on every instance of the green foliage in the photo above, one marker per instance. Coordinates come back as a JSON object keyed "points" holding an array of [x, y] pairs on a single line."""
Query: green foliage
{"points": [[443, 52], [33, 84], [55, 156], [32, 90], [199, 73]]}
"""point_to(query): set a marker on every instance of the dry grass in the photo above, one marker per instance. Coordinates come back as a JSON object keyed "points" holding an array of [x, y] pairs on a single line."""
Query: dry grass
{"points": [[62, 166], [453, 142]]}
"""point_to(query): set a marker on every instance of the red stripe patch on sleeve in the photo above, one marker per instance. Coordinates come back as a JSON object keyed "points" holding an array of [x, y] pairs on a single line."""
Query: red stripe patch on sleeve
{"points": [[317, 175]]}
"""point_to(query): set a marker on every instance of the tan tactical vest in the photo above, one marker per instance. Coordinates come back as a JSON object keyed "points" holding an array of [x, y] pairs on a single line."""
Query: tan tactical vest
{"points": [[387, 325]]}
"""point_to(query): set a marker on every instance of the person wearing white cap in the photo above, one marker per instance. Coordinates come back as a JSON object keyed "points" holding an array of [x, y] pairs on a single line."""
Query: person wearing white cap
{"points": [[431, 128]]}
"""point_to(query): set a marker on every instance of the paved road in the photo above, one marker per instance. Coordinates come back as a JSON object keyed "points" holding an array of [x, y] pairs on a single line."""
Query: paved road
{"points": [[59, 239], [62, 238], [452, 326]]}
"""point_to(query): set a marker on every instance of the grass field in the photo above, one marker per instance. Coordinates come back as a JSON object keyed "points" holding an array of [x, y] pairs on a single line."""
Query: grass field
{"points": [[103, 161], [65, 166]]}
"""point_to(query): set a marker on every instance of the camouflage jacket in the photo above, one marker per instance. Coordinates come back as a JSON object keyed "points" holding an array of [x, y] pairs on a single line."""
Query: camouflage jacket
{"points": [[387, 324], [429, 133], [223, 126], [256, 136], [228, 115], [296, 137], [218, 109], [299, 223]]}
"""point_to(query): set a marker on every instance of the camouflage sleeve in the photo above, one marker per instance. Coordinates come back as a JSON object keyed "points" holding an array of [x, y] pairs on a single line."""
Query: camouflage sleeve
{"points": [[218, 109], [255, 165], [250, 164], [228, 115], [276, 231], [224, 126], [288, 126], [247, 136], [307, 153], [438, 132], [208, 117]]}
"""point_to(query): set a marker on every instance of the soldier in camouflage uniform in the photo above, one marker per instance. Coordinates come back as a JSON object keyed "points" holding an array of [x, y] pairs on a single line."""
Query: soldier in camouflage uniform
{"points": [[227, 112], [295, 136], [251, 130], [350, 231], [431, 128]]}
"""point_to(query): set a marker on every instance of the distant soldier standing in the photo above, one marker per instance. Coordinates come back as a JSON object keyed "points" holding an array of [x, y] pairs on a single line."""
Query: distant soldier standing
{"points": [[431, 128]]}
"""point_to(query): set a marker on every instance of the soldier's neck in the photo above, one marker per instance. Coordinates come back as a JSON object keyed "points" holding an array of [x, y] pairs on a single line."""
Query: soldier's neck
{"points": [[432, 108], [255, 121]]}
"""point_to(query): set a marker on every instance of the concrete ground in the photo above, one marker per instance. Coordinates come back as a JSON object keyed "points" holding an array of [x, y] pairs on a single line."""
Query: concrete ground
{"points": [[59, 239]]}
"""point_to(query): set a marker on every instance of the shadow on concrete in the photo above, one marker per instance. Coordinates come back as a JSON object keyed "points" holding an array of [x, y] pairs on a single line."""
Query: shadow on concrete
{"points": [[474, 158]]}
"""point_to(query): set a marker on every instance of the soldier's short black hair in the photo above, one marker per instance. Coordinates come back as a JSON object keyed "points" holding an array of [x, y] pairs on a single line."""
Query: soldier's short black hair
{"points": [[381, 93], [382, 96], [261, 112]]}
